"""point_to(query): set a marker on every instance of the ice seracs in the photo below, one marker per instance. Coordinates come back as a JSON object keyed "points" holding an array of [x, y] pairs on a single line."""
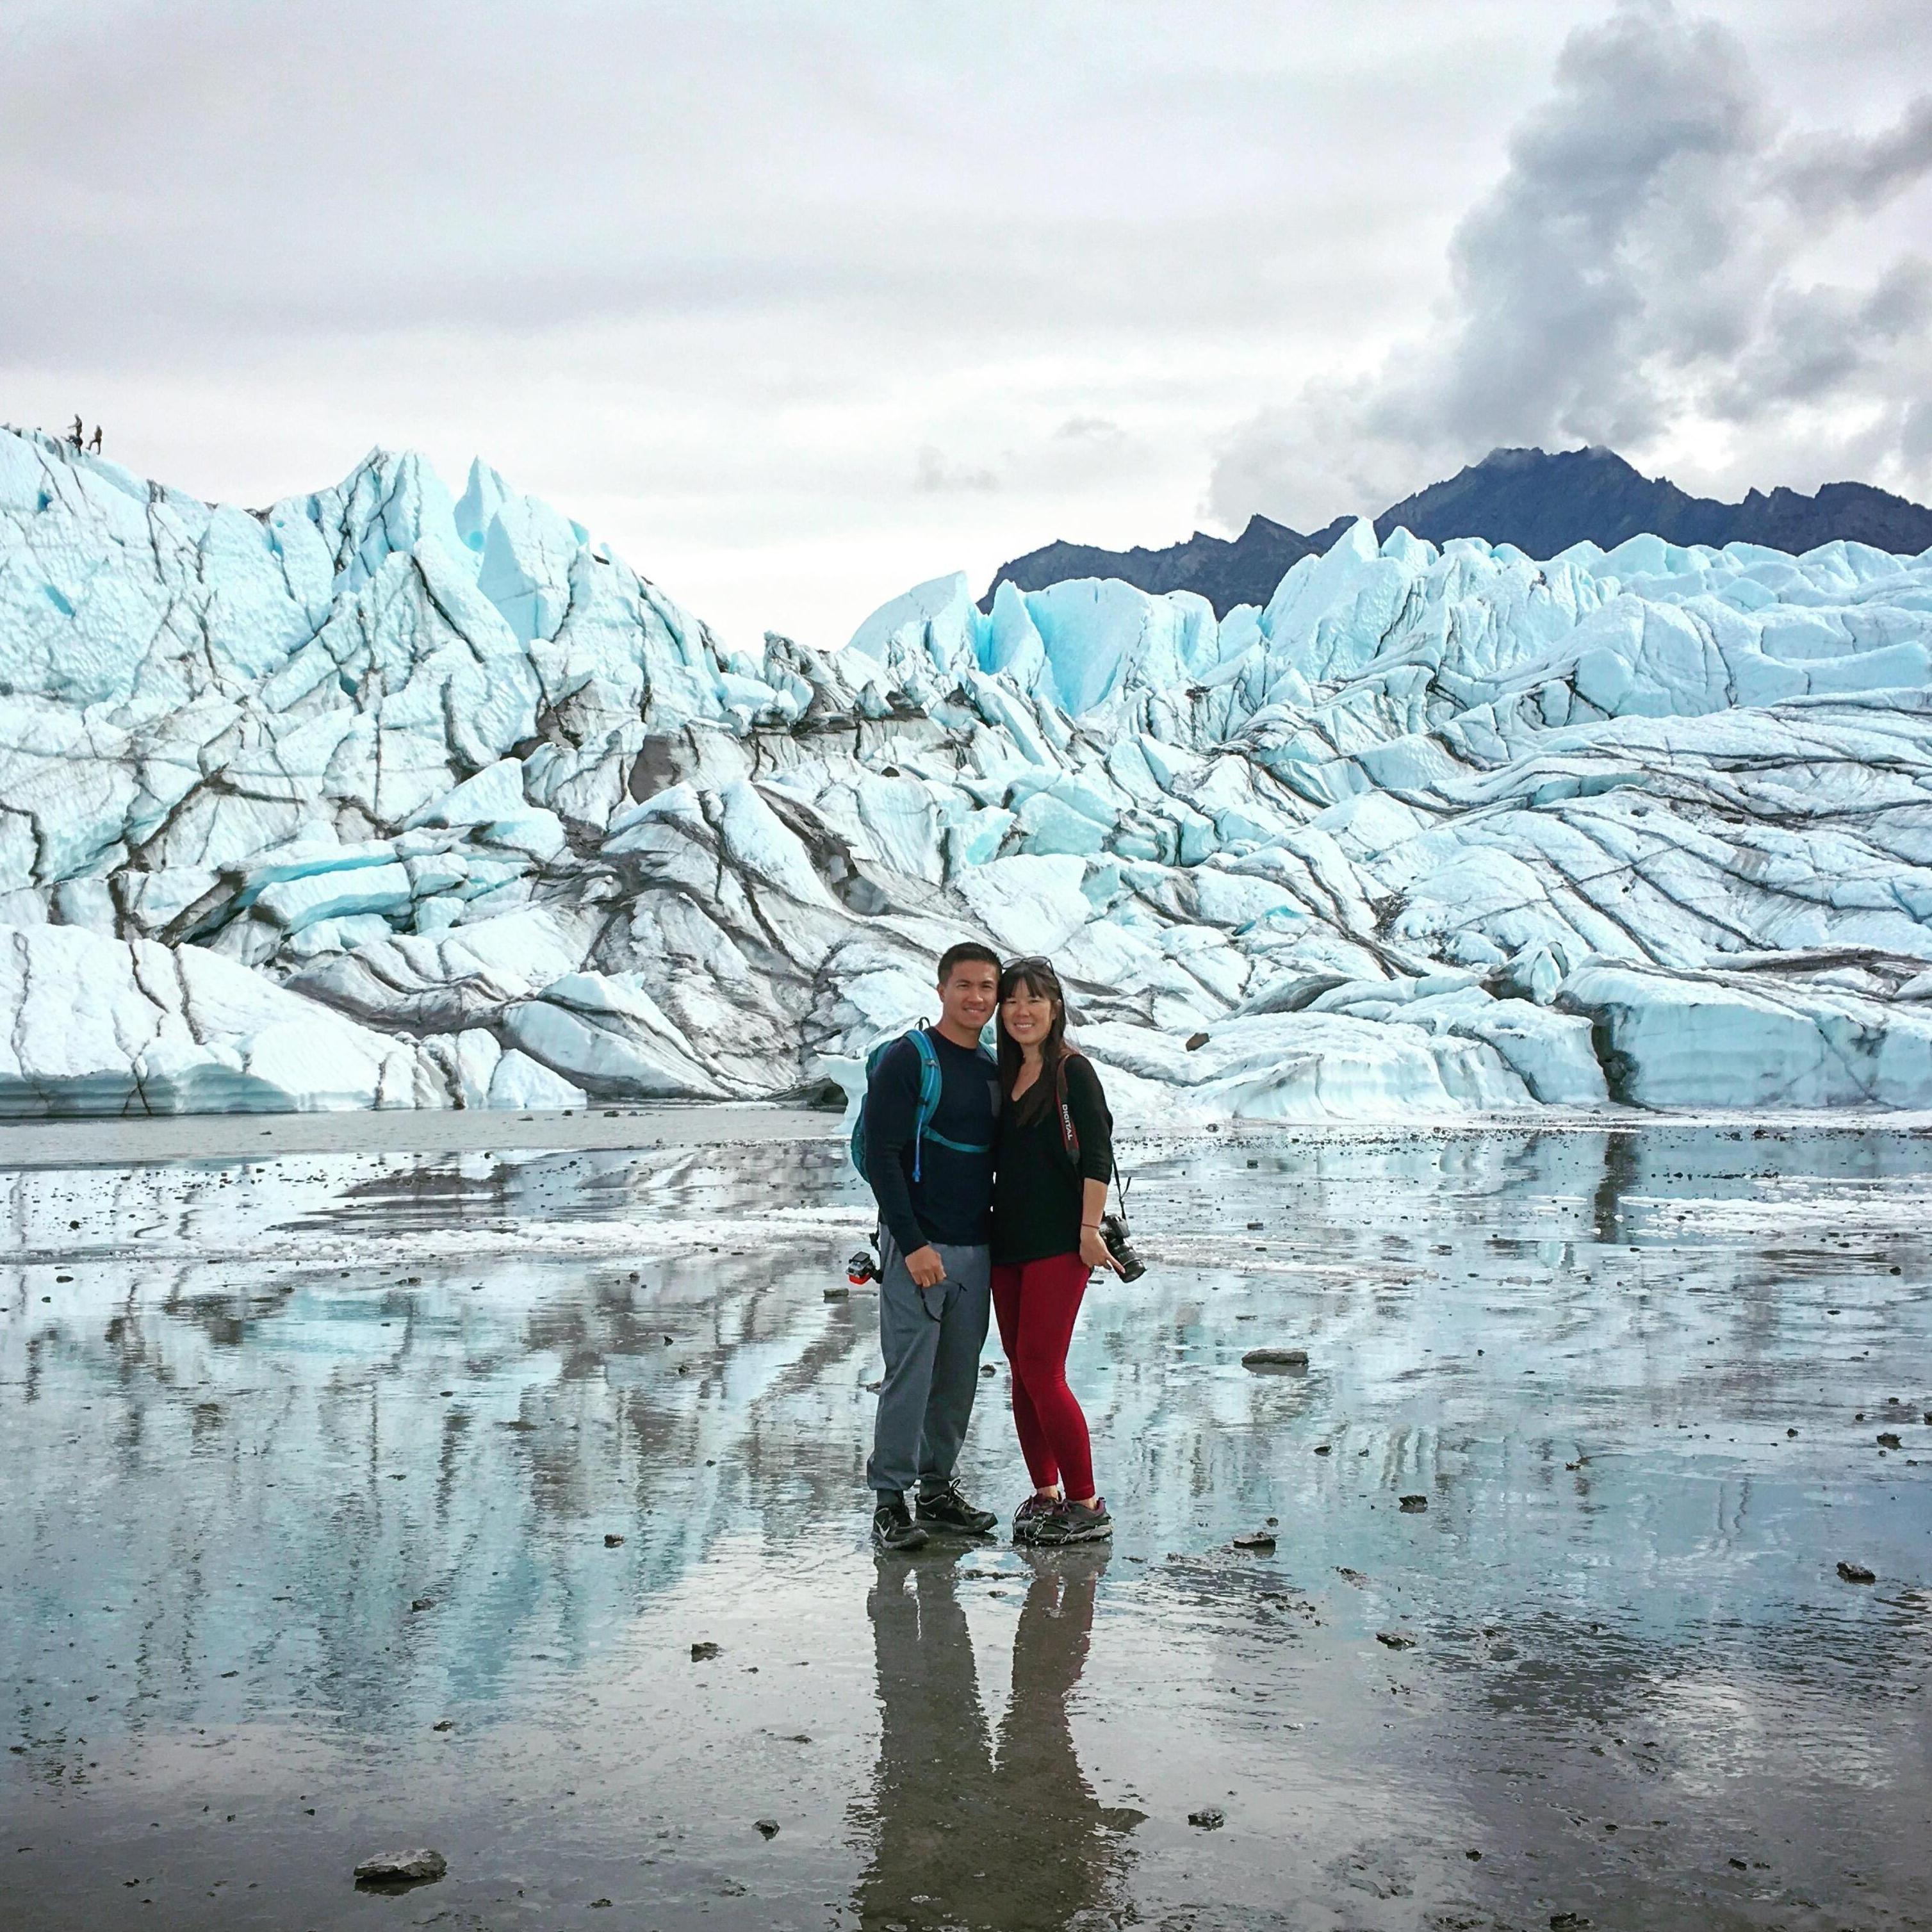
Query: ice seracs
{"points": [[383, 797], [100, 1026]]}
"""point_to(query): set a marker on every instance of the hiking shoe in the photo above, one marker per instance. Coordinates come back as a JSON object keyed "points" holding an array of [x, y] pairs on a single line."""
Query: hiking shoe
{"points": [[893, 1529], [947, 1509], [1068, 1522], [1031, 1515]]}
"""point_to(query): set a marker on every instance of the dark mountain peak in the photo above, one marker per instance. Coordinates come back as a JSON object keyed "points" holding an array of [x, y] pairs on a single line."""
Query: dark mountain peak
{"points": [[1515, 457], [1541, 501], [1504, 456], [1243, 571]]}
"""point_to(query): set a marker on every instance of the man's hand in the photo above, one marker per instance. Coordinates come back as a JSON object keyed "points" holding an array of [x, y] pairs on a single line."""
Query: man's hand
{"points": [[926, 1267]]}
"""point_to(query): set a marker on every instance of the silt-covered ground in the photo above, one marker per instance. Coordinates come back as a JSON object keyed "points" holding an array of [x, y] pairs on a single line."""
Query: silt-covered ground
{"points": [[360, 1501]]}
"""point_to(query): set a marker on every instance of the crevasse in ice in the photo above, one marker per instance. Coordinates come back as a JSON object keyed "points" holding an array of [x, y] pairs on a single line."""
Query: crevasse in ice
{"points": [[379, 798]]}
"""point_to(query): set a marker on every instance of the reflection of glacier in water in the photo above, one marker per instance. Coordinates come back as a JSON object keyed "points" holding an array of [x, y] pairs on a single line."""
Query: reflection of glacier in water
{"points": [[309, 1457]]}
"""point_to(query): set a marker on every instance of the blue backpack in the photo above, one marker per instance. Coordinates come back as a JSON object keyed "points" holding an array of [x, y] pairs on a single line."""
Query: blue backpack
{"points": [[928, 1102]]}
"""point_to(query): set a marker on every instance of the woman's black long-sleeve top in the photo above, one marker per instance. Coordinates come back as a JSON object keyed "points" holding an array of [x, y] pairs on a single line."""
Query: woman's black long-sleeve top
{"points": [[1036, 1188]]}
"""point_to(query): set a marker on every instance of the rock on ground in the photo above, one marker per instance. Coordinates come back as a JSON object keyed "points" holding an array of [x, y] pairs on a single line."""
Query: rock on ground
{"points": [[422, 1866]]}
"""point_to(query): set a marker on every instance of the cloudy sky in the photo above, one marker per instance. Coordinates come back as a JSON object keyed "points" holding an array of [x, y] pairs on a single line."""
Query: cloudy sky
{"points": [[800, 303]]}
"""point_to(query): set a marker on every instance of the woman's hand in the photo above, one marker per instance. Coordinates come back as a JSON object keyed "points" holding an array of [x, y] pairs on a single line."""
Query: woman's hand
{"points": [[1093, 1251]]}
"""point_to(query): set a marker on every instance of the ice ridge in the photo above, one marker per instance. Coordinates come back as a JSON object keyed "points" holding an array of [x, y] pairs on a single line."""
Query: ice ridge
{"points": [[383, 797]]}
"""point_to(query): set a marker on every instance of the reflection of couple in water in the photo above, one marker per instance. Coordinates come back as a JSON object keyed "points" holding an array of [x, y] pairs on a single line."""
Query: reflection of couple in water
{"points": [[968, 1831]]}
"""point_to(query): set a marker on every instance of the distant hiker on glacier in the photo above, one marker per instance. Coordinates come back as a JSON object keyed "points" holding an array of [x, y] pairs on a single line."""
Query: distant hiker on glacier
{"points": [[925, 1143], [77, 436], [95, 445]]}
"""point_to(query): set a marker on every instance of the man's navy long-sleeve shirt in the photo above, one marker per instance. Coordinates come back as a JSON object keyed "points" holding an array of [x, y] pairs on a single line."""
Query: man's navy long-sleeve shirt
{"points": [[952, 1202]]}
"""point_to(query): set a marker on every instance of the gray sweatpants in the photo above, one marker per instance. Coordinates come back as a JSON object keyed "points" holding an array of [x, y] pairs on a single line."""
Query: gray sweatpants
{"points": [[931, 1338]]}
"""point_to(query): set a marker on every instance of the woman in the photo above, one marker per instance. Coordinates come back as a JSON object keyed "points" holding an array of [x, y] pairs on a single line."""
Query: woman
{"points": [[1056, 1152]]}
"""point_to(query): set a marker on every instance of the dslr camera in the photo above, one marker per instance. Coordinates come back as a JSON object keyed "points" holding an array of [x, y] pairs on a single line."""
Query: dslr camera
{"points": [[1113, 1237]]}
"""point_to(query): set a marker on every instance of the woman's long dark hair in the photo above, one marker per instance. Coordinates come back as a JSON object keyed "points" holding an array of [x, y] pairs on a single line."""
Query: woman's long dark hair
{"points": [[1041, 982]]}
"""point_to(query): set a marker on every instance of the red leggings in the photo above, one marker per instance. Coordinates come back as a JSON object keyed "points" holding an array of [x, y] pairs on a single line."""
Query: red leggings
{"points": [[1037, 1302]]}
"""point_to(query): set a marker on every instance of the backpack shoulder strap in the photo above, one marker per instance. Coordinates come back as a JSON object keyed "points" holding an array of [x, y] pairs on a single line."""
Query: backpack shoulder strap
{"points": [[929, 1084], [929, 1070], [875, 1059]]}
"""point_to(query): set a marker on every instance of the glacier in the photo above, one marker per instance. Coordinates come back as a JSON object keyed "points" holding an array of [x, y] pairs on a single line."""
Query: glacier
{"points": [[385, 797]]}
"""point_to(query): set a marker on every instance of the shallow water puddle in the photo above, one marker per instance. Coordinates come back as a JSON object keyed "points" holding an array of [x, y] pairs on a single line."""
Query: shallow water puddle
{"points": [[360, 1502]]}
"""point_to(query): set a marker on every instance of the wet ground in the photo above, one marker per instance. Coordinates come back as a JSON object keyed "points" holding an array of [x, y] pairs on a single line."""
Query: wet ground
{"points": [[360, 1502]]}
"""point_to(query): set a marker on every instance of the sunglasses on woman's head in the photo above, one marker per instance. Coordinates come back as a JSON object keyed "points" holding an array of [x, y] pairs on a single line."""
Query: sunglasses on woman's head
{"points": [[1043, 967]]}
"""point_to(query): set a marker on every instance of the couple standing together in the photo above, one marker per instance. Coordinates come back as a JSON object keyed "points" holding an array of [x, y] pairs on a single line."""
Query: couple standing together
{"points": [[991, 1176]]}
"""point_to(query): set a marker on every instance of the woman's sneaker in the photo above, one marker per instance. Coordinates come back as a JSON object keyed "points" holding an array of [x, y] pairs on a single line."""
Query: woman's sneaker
{"points": [[947, 1509], [1030, 1514], [893, 1529], [1072, 1522]]}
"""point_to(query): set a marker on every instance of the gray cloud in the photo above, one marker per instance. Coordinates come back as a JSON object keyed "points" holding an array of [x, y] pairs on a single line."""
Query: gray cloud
{"points": [[308, 169], [933, 474], [1101, 430], [1832, 172], [1914, 433], [1813, 343], [1638, 267]]}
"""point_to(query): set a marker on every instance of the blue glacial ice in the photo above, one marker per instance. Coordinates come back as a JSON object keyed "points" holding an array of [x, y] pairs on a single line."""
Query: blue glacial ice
{"points": [[381, 797]]}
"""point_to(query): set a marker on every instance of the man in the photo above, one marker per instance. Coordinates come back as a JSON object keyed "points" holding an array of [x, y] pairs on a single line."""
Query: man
{"points": [[934, 1187]]}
